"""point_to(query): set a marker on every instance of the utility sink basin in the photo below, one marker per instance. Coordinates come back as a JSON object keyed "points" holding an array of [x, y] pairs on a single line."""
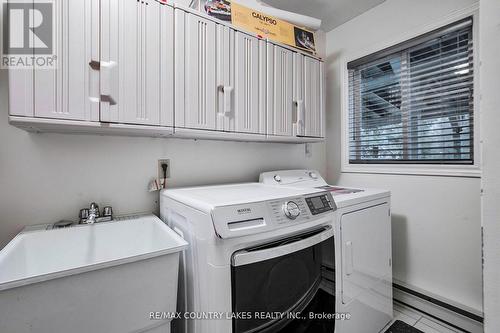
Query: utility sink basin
{"points": [[105, 277]]}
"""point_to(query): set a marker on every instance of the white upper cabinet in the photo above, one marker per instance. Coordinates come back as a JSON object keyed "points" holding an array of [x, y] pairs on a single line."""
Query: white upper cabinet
{"points": [[308, 92], [195, 72], [295, 105], [21, 93], [225, 78], [250, 84], [280, 96], [136, 66], [147, 66], [241, 82], [115, 64], [70, 91]]}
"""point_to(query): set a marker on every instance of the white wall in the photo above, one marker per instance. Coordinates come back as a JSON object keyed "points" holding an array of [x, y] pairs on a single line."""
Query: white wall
{"points": [[436, 221], [490, 107], [48, 177]]}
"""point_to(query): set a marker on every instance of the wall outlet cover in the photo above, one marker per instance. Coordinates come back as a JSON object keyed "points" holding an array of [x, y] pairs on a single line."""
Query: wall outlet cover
{"points": [[160, 168], [308, 150]]}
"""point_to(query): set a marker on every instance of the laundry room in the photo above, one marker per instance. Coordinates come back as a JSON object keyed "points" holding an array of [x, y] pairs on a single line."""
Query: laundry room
{"points": [[227, 166]]}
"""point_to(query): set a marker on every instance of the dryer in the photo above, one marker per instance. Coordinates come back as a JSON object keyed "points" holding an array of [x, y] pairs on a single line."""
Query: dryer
{"points": [[255, 257], [363, 249]]}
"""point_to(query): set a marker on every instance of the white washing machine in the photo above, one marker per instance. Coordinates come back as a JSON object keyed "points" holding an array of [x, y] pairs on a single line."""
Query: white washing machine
{"points": [[255, 257], [363, 250]]}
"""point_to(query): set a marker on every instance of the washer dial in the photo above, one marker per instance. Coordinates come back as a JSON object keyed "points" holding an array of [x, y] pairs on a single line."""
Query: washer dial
{"points": [[291, 210]]}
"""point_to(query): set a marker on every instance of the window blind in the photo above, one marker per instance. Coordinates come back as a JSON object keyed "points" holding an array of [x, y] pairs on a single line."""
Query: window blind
{"points": [[414, 103]]}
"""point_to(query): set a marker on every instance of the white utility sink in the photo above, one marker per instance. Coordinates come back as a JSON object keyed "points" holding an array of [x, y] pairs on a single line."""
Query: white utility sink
{"points": [[100, 278]]}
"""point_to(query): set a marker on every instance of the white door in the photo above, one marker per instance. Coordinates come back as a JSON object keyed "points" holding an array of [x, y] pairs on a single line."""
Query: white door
{"points": [[280, 97], [70, 91], [249, 62], [308, 95], [313, 95], [225, 78], [366, 251], [195, 72], [136, 62], [366, 269], [298, 95], [241, 82]]}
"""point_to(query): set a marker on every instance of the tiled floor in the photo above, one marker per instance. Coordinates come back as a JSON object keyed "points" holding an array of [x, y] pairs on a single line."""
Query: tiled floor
{"points": [[420, 321]]}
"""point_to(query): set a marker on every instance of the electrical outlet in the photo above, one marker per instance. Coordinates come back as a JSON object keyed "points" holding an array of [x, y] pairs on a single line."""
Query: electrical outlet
{"points": [[308, 150], [160, 168]]}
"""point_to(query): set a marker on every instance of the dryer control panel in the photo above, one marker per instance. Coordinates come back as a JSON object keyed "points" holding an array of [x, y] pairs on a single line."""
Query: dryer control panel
{"points": [[319, 204], [292, 210], [257, 217]]}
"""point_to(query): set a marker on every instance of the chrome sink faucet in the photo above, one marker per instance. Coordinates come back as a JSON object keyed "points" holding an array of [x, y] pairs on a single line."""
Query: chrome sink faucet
{"points": [[92, 215]]}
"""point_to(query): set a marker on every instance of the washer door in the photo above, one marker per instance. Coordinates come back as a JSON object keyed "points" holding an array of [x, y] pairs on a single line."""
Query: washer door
{"points": [[276, 278]]}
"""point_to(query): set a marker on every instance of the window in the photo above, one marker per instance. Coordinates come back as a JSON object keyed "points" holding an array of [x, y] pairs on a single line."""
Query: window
{"points": [[413, 103]]}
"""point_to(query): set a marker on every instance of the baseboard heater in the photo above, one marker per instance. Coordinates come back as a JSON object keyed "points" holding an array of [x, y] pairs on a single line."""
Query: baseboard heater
{"points": [[452, 315]]}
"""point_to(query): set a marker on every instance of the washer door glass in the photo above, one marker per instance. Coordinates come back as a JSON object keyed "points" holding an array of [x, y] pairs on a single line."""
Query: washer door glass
{"points": [[269, 289]]}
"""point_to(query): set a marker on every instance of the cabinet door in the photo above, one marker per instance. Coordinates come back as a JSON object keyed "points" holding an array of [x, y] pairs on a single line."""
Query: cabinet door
{"points": [[21, 93], [366, 252], [298, 95], [249, 61], [280, 103], [308, 92], [70, 91], [225, 78], [137, 62], [195, 76], [313, 96]]}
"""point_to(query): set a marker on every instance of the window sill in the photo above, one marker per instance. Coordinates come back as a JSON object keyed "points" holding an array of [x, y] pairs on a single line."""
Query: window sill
{"points": [[415, 170]]}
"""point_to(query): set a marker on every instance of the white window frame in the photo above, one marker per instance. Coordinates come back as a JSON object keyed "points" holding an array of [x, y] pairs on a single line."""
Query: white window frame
{"points": [[473, 170]]}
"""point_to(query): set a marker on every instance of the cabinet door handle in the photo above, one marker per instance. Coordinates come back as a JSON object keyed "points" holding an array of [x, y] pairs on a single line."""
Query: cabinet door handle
{"points": [[109, 82], [228, 100], [300, 117], [349, 259]]}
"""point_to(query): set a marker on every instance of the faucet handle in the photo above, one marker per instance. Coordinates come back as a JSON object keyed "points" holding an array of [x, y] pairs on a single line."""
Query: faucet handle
{"points": [[94, 209], [107, 211], [84, 214]]}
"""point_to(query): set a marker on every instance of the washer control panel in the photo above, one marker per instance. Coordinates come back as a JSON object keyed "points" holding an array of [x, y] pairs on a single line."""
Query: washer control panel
{"points": [[301, 209], [291, 210], [320, 204], [257, 217]]}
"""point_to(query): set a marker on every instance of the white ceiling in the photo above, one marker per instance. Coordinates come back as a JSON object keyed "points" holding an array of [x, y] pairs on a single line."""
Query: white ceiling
{"points": [[332, 12]]}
